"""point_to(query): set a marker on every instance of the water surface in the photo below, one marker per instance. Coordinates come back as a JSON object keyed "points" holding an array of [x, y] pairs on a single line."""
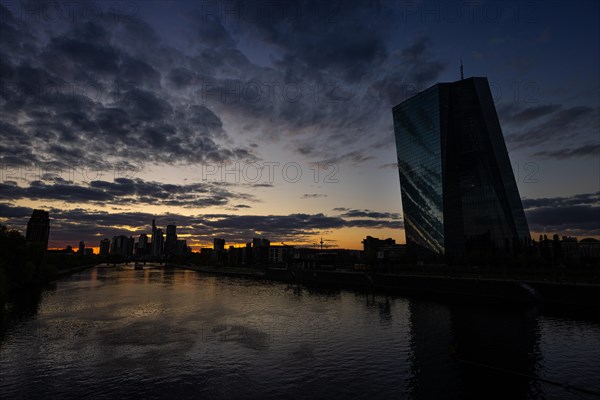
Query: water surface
{"points": [[120, 333]]}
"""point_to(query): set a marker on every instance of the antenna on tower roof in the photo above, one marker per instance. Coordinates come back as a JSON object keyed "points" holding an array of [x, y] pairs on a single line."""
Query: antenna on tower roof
{"points": [[462, 75]]}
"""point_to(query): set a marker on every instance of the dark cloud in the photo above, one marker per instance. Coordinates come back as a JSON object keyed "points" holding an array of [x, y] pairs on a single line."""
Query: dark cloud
{"points": [[210, 31], [584, 199], [570, 220], [527, 114], [145, 106], [412, 70], [323, 36], [124, 191], [139, 72], [181, 77], [59, 192], [312, 195], [355, 157], [558, 127], [142, 100], [14, 212], [587, 150], [577, 215], [86, 56], [91, 95], [368, 214]]}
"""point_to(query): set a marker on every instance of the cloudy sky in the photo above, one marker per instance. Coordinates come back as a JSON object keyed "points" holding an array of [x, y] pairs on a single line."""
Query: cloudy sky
{"points": [[274, 118]]}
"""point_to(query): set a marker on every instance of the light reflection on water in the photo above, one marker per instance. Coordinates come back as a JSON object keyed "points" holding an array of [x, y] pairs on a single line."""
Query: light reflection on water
{"points": [[108, 333]]}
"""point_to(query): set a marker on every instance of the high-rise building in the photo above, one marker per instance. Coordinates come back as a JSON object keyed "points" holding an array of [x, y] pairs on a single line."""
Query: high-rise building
{"points": [[130, 246], [459, 193], [218, 245], [113, 245], [153, 252], [171, 240], [181, 248], [81, 247], [122, 245], [158, 243], [260, 251], [157, 240], [218, 249], [142, 245], [104, 247], [38, 227]]}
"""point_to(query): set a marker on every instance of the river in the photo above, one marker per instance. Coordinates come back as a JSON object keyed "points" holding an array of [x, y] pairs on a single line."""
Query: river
{"points": [[108, 333]]}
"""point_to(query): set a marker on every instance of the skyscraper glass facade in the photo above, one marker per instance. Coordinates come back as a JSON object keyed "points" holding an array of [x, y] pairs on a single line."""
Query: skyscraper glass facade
{"points": [[458, 190], [419, 162]]}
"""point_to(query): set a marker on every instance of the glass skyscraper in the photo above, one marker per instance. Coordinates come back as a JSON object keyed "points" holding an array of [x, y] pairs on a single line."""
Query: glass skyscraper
{"points": [[459, 193]]}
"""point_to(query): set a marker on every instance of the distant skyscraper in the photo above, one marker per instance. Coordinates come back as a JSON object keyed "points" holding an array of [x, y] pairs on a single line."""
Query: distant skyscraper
{"points": [[182, 247], [113, 245], [81, 247], [130, 246], [158, 244], [38, 227], [104, 247], [218, 244], [458, 190], [142, 245], [157, 240], [153, 238], [260, 251], [218, 248], [122, 245], [171, 240]]}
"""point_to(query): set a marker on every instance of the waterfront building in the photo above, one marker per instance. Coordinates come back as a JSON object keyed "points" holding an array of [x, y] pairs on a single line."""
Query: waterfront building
{"points": [[371, 245], [280, 254], [459, 193]]}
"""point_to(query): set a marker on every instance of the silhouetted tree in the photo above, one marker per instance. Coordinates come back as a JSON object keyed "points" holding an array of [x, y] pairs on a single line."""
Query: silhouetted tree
{"points": [[21, 262]]}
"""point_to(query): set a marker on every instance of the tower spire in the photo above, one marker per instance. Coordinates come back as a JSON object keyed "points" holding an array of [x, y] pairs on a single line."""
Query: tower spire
{"points": [[462, 75]]}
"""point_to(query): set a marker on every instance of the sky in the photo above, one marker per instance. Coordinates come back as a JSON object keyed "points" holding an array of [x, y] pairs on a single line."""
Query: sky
{"points": [[273, 119]]}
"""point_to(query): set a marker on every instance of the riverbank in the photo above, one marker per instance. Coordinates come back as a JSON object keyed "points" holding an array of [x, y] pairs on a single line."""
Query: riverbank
{"points": [[503, 290], [47, 279]]}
